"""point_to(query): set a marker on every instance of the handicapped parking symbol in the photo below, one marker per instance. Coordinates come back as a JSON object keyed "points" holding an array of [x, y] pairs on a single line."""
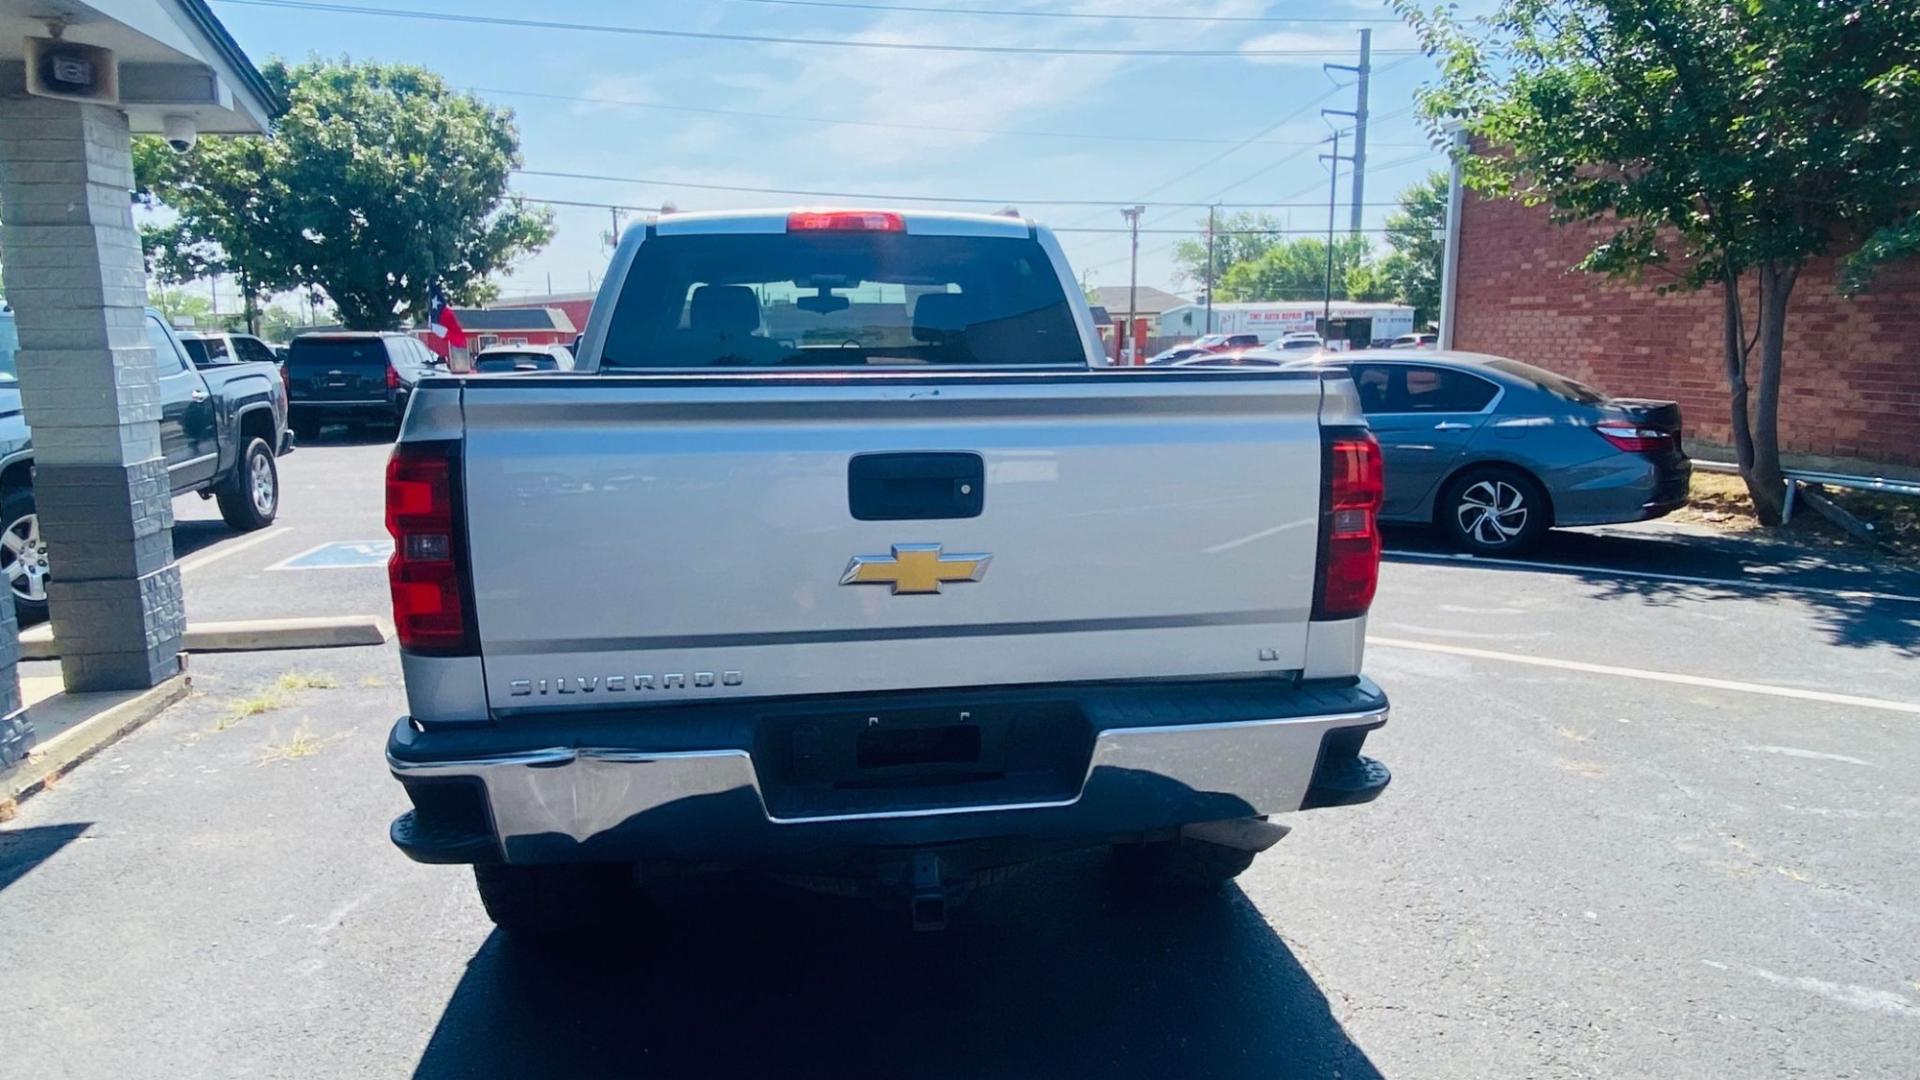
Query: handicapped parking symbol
{"points": [[340, 555]]}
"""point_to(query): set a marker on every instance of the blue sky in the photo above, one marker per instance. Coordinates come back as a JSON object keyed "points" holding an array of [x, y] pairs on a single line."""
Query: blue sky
{"points": [[1222, 100]]}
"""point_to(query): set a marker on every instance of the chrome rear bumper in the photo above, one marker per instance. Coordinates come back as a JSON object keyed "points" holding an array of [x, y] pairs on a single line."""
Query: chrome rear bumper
{"points": [[542, 803]]}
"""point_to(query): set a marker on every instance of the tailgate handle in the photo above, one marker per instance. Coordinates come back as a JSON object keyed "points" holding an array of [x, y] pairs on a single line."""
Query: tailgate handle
{"points": [[919, 486]]}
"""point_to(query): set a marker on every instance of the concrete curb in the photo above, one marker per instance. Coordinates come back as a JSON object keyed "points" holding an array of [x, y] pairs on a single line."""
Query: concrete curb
{"points": [[53, 758], [244, 635]]}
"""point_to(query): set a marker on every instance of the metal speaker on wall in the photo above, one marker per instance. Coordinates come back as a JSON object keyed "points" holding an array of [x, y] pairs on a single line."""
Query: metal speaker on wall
{"points": [[58, 68]]}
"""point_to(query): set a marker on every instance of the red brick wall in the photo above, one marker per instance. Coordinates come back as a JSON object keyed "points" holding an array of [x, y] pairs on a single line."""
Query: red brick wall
{"points": [[1851, 375]]}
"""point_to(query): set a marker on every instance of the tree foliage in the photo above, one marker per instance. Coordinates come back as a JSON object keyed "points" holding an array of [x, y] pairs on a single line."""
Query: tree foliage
{"points": [[1719, 143], [1240, 237], [378, 179], [1412, 267], [1296, 269]]}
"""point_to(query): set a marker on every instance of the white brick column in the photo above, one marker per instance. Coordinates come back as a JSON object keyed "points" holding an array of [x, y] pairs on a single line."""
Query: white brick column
{"points": [[77, 285]]}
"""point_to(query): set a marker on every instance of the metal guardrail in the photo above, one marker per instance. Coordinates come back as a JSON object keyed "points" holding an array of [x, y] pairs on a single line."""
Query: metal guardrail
{"points": [[1796, 477]]}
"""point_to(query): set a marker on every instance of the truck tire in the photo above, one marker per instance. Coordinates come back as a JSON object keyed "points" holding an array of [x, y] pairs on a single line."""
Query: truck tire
{"points": [[552, 902], [23, 561], [1182, 866], [249, 497], [305, 428]]}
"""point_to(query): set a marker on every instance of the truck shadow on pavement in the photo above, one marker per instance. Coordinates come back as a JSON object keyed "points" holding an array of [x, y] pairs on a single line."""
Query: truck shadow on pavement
{"points": [[1055, 973], [23, 849], [1855, 597]]}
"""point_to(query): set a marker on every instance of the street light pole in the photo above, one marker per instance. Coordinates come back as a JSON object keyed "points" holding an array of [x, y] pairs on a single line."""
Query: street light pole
{"points": [[1132, 214], [1333, 194]]}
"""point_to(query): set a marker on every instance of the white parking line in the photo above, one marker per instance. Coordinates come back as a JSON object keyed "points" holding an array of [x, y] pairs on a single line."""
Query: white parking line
{"points": [[1650, 676], [1686, 579], [195, 562]]}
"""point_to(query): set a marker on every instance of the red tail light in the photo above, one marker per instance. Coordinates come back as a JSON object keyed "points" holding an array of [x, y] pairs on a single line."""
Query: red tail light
{"points": [[845, 221], [393, 377], [1353, 486], [431, 612], [1638, 440]]}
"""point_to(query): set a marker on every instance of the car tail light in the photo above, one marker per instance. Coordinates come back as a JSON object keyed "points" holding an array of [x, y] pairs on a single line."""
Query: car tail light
{"points": [[432, 612], [845, 221], [393, 376], [1638, 440], [1352, 487]]}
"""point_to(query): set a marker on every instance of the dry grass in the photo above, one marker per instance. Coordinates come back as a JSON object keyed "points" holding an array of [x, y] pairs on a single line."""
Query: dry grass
{"points": [[1720, 500], [302, 744], [296, 680], [249, 706]]}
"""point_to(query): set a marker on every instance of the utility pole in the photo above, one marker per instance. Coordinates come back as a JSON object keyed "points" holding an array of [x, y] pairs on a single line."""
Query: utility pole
{"points": [[1209, 270], [613, 238], [1132, 214], [1333, 193], [1363, 74]]}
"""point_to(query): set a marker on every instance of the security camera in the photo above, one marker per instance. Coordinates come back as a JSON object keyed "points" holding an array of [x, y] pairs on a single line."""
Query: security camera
{"points": [[181, 133]]}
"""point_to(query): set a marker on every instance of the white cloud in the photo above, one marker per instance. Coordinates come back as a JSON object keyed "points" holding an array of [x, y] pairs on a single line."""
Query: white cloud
{"points": [[955, 89]]}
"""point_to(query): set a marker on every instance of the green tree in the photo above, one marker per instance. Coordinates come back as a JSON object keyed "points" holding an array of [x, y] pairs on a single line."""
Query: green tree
{"points": [[1238, 238], [379, 179], [1411, 270], [174, 303], [1723, 143], [1296, 269]]}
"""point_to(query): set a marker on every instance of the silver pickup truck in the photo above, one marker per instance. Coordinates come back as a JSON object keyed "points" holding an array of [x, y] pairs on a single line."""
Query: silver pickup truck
{"points": [[844, 553]]}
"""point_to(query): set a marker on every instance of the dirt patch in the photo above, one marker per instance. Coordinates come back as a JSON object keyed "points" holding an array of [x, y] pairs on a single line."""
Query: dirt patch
{"points": [[1720, 501]]}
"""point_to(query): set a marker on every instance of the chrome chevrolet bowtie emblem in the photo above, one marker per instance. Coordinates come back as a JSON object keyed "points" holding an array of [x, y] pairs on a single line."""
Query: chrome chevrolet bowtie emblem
{"points": [[914, 568]]}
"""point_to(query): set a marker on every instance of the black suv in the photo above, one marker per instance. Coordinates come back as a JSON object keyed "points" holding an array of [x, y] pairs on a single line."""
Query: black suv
{"points": [[353, 378]]}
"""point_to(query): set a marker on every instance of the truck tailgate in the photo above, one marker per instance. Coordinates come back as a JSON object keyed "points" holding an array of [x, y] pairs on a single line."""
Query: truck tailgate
{"points": [[675, 538]]}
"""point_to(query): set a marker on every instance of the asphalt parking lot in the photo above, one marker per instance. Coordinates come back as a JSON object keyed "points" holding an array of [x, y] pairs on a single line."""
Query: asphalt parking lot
{"points": [[1653, 815]]}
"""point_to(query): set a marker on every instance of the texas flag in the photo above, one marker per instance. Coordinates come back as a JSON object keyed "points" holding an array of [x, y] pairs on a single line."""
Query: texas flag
{"points": [[445, 325]]}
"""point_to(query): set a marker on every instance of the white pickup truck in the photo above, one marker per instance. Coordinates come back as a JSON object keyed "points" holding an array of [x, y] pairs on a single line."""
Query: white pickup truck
{"points": [[844, 553]]}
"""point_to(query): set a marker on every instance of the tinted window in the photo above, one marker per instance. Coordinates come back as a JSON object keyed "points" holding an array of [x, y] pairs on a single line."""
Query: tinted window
{"points": [[1444, 390], [253, 350], [9, 345], [1402, 388], [206, 350], [840, 299], [343, 353], [167, 359]]}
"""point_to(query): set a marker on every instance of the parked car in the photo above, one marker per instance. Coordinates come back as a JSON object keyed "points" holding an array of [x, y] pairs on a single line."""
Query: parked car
{"points": [[820, 602], [1493, 451], [1415, 341], [221, 428], [1226, 342], [354, 378], [206, 348], [1299, 341], [507, 359]]}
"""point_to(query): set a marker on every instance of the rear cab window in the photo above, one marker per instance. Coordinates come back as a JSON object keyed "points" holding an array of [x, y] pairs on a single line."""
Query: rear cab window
{"points": [[840, 299], [207, 350], [311, 351], [495, 363]]}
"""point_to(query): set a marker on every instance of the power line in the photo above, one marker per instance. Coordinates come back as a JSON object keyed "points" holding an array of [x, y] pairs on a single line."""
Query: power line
{"points": [[884, 124], [1115, 16], [767, 39], [875, 196]]}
